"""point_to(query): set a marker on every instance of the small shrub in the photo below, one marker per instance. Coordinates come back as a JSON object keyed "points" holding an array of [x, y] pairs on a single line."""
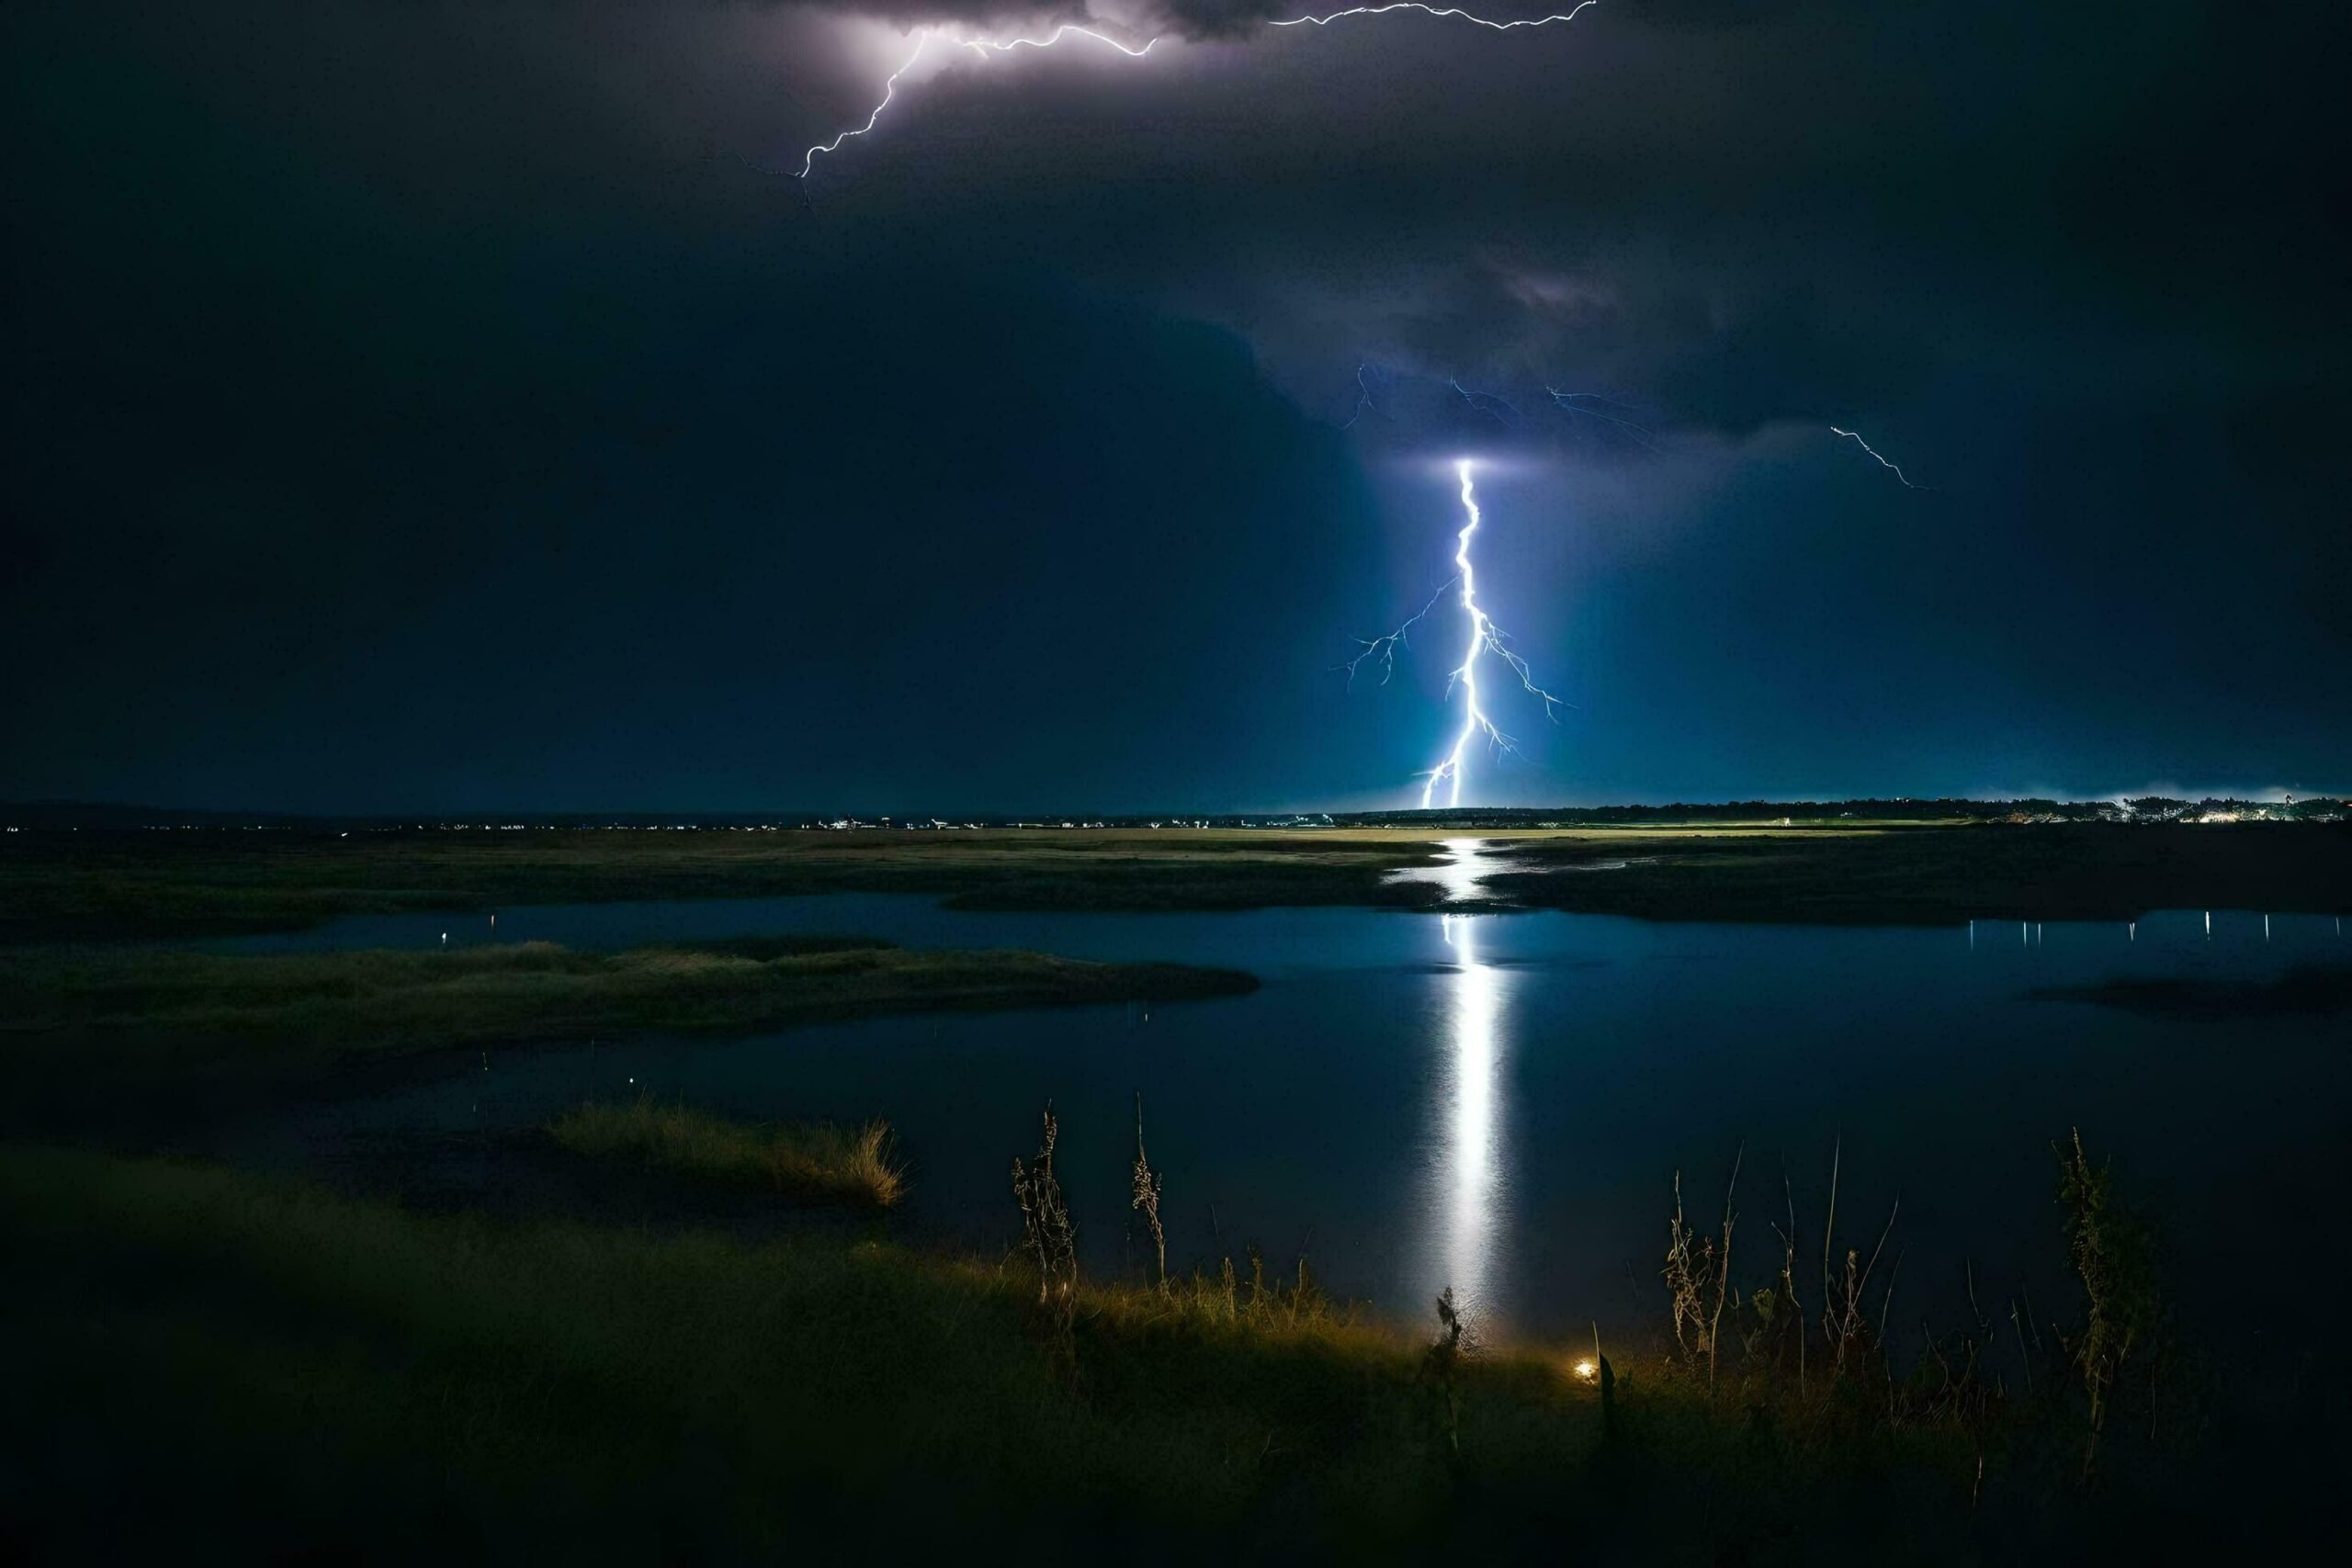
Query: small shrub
{"points": [[2109, 1252]]}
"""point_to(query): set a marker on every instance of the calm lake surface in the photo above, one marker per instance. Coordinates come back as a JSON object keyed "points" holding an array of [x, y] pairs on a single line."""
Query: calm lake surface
{"points": [[1499, 1102]]}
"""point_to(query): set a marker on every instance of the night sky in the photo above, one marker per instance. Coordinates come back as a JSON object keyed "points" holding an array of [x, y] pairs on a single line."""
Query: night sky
{"points": [[461, 406]]}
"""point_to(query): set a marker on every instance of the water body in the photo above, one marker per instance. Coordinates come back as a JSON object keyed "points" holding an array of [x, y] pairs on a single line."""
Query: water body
{"points": [[1498, 1103]]}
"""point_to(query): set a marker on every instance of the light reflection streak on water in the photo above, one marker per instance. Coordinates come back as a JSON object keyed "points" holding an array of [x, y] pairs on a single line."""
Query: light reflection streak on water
{"points": [[1458, 875], [1469, 1196]]}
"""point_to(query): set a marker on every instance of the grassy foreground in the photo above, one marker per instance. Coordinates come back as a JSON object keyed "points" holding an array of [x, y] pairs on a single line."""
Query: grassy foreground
{"points": [[806, 1159], [96, 1013], [253, 1371]]}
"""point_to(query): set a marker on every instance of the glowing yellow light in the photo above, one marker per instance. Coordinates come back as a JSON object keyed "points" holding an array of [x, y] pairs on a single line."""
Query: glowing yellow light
{"points": [[1586, 1371]]}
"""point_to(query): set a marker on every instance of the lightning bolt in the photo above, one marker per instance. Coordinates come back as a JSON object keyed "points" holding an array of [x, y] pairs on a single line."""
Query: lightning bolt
{"points": [[1384, 646], [1874, 452], [1363, 402], [925, 37], [1486, 403], [890, 92], [1485, 638], [1575, 403], [1439, 11], [1006, 46]]}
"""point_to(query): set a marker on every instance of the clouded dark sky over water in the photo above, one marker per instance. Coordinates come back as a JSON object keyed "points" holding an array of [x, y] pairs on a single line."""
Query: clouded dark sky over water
{"points": [[460, 406]]}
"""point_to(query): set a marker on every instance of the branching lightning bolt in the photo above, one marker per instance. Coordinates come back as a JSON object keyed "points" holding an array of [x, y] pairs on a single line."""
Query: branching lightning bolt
{"points": [[1384, 646], [1490, 405], [889, 91], [1874, 452], [1363, 402], [1485, 638], [1575, 403], [983, 46], [923, 37]]}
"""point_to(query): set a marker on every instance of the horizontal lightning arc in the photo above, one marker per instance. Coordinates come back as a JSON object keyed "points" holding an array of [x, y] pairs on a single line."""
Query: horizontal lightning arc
{"points": [[1574, 403], [923, 37], [1006, 46], [1568, 15], [1486, 403]]}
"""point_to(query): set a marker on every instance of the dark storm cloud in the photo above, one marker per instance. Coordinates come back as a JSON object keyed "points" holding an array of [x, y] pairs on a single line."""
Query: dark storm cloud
{"points": [[437, 404], [916, 13], [1742, 213], [1234, 18], [1220, 18]]}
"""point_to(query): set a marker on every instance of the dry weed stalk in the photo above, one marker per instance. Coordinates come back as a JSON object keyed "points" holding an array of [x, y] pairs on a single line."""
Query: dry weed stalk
{"points": [[1723, 1269], [1695, 1268], [1047, 1234], [1845, 1322], [1686, 1281], [1955, 1385], [1795, 1308], [1144, 1198], [2025, 1355], [1845, 1317], [1442, 1364], [1829, 1232], [1606, 1376]]}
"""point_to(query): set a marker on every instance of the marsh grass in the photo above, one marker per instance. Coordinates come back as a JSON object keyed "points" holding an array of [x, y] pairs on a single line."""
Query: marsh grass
{"points": [[133, 1011], [2124, 1315], [73, 886], [2044, 1414], [818, 1160], [1943, 874]]}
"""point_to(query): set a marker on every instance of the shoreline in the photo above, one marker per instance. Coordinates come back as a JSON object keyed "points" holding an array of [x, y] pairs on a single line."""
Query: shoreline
{"points": [[162, 887]]}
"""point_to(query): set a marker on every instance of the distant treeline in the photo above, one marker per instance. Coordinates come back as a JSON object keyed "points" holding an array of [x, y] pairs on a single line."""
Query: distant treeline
{"points": [[2146, 808], [101, 817]]}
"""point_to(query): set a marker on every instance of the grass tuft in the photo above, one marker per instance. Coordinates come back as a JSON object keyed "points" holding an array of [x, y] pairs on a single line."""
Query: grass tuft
{"points": [[821, 1160]]}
